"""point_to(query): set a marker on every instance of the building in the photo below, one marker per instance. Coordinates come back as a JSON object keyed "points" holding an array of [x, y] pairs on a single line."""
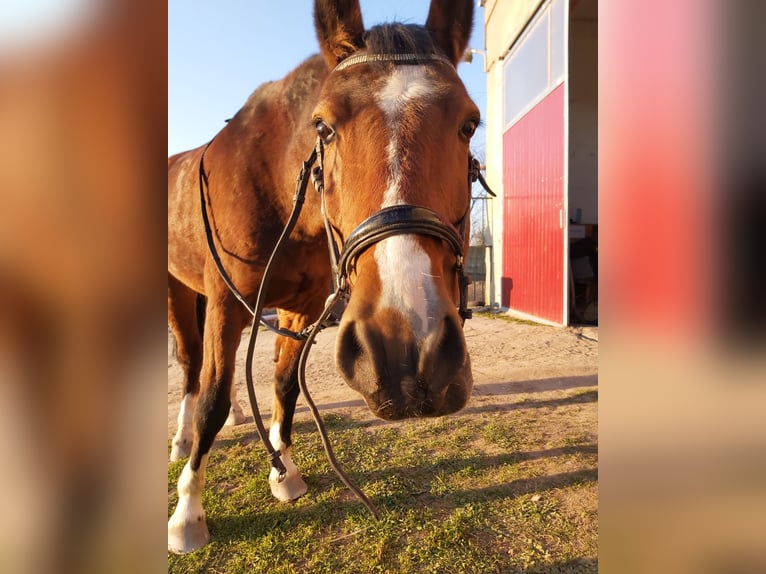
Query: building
{"points": [[542, 156]]}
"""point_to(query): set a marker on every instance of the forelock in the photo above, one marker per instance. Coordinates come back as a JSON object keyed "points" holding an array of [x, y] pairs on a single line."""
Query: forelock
{"points": [[399, 39]]}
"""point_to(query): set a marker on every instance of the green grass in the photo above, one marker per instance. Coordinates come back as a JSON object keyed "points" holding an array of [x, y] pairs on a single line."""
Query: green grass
{"points": [[467, 493], [507, 318]]}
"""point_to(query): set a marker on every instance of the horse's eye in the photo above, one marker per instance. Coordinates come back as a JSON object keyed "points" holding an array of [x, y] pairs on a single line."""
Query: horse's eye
{"points": [[469, 128], [324, 131]]}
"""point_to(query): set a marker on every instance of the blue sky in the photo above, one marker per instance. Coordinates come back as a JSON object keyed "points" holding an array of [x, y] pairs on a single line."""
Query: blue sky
{"points": [[219, 52]]}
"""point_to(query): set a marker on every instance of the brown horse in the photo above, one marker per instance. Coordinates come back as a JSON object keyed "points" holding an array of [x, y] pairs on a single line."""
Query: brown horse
{"points": [[392, 121]]}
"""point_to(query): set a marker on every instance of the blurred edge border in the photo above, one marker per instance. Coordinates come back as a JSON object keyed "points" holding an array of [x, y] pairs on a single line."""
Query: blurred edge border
{"points": [[82, 249]]}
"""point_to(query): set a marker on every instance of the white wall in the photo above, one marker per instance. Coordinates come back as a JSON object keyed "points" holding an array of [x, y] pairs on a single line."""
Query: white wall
{"points": [[494, 174]]}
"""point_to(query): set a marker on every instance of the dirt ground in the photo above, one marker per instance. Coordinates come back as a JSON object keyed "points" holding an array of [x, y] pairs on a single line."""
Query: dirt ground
{"points": [[508, 358]]}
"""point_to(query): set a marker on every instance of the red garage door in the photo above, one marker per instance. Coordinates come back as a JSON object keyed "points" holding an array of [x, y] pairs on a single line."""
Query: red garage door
{"points": [[533, 229], [534, 203]]}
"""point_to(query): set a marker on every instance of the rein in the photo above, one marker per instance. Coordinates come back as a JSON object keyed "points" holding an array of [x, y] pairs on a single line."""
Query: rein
{"points": [[300, 193], [326, 318], [389, 221]]}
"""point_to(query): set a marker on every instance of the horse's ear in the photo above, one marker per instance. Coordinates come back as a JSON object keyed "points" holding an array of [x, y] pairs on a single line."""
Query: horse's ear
{"points": [[449, 23], [339, 28]]}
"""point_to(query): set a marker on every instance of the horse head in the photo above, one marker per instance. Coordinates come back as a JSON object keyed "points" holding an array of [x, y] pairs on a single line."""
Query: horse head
{"points": [[394, 123]]}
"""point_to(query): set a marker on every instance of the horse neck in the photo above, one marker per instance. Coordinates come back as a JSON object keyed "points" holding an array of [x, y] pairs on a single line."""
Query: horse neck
{"points": [[273, 135]]}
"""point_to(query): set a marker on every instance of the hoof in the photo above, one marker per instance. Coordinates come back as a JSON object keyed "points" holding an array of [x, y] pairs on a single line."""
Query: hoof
{"points": [[180, 449], [189, 537], [291, 488], [235, 418]]}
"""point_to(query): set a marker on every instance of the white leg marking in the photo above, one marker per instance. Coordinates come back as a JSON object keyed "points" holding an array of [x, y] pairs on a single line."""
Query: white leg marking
{"points": [[236, 415], [182, 441], [292, 486], [187, 529]]}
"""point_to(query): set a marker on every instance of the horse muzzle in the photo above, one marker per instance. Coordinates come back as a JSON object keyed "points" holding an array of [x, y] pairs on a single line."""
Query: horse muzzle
{"points": [[400, 375]]}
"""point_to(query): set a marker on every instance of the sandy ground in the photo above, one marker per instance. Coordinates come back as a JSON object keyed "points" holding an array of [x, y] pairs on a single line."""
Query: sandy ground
{"points": [[509, 359]]}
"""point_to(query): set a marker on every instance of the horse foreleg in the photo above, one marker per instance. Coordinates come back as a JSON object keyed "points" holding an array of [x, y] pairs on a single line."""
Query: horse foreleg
{"points": [[187, 527], [286, 392], [186, 323], [285, 396]]}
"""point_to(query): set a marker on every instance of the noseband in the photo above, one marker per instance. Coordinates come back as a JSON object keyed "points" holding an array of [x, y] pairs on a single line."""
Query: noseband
{"points": [[392, 221]]}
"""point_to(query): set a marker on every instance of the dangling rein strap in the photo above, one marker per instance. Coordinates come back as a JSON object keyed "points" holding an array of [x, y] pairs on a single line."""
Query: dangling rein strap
{"points": [[256, 312], [474, 172], [300, 193], [275, 456]]}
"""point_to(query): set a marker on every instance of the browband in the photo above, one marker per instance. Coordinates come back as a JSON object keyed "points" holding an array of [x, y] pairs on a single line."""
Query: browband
{"points": [[406, 59]]}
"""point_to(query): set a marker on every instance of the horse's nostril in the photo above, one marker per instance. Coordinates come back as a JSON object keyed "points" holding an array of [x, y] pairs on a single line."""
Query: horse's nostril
{"points": [[349, 350], [452, 345]]}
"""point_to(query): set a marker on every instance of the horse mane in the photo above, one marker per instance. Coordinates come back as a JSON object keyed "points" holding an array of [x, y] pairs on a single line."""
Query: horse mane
{"points": [[399, 38]]}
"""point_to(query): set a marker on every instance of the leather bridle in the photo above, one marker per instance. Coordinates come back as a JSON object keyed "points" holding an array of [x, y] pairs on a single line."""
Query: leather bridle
{"points": [[402, 219]]}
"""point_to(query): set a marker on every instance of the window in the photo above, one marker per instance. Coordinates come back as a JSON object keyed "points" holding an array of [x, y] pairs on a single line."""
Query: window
{"points": [[526, 74], [536, 62]]}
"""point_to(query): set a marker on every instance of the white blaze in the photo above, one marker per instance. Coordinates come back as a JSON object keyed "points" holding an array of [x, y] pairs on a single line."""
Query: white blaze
{"points": [[405, 269], [406, 85]]}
